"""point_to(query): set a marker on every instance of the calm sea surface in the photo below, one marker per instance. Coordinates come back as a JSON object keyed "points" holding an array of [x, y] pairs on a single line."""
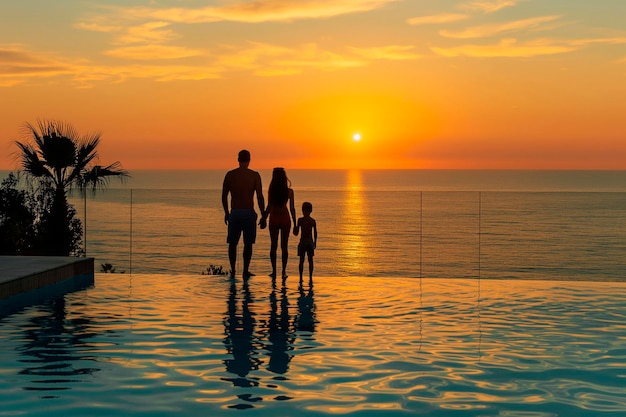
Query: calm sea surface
{"points": [[567, 225]]}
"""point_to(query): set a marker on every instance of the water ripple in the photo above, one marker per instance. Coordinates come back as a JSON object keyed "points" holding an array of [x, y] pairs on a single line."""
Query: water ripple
{"points": [[191, 345]]}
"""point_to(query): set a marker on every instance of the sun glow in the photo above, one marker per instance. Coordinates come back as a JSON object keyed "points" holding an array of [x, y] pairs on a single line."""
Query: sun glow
{"points": [[356, 137]]}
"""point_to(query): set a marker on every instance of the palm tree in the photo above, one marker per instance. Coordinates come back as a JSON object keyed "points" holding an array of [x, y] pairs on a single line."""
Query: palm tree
{"points": [[59, 158]]}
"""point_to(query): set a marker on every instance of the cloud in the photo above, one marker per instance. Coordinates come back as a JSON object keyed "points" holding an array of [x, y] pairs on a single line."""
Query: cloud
{"points": [[509, 48], [606, 41], [252, 56], [172, 73], [497, 28], [489, 6], [151, 32], [153, 52], [97, 27], [257, 11], [18, 64], [512, 48], [270, 60], [391, 52], [437, 19], [89, 76]]}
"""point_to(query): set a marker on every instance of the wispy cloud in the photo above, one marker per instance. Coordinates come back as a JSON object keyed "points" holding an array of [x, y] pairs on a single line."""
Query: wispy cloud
{"points": [[437, 19], [606, 41], [269, 60], [251, 56], [391, 52], [513, 48], [18, 64], [509, 48], [151, 32], [153, 52], [498, 28], [98, 27], [489, 6], [256, 11], [87, 77]]}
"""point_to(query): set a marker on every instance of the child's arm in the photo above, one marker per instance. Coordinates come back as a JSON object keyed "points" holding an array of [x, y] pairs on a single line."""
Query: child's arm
{"points": [[314, 233]]}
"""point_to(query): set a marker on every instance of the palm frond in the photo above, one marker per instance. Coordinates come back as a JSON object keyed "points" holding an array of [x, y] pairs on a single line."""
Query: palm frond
{"points": [[30, 132], [86, 153], [98, 177], [31, 163]]}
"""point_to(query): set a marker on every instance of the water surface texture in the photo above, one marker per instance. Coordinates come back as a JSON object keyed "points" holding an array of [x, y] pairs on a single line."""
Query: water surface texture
{"points": [[190, 345], [442, 224]]}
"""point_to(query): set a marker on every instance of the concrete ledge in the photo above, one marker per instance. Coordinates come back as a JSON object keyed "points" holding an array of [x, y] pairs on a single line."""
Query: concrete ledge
{"points": [[23, 274]]}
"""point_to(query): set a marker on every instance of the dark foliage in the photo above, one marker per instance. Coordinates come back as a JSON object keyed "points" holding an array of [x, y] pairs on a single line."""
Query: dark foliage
{"points": [[37, 222], [17, 222]]}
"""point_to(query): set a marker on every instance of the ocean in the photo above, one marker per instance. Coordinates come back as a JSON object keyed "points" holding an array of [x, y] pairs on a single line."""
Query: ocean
{"points": [[556, 225]]}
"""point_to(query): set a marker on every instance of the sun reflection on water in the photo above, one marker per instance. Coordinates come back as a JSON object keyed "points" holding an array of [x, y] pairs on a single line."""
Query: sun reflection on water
{"points": [[353, 227]]}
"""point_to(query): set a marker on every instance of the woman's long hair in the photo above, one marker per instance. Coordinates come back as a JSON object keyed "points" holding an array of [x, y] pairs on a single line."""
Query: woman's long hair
{"points": [[278, 192]]}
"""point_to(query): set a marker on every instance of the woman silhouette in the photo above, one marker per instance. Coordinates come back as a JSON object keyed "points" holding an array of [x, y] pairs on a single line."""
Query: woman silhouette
{"points": [[279, 194]]}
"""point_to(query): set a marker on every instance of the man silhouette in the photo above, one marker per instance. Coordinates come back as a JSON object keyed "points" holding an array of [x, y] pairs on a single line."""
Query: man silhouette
{"points": [[241, 183]]}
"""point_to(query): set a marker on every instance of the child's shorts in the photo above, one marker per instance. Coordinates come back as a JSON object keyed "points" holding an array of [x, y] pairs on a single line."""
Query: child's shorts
{"points": [[306, 246]]}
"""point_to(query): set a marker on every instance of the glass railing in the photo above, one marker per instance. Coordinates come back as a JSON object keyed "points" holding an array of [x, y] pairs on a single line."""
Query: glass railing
{"points": [[448, 234]]}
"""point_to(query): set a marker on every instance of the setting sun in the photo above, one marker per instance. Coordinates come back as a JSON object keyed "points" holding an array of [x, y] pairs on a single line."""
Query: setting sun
{"points": [[356, 137]]}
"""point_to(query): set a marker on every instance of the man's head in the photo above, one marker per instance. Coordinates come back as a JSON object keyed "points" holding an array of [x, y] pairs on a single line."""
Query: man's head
{"points": [[244, 157]]}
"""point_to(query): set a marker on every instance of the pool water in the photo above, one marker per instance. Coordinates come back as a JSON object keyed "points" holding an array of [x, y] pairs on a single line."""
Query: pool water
{"points": [[192, 345]]}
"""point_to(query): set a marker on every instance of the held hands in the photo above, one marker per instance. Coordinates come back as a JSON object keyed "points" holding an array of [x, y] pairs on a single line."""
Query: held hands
{"points": [[263, 223]]}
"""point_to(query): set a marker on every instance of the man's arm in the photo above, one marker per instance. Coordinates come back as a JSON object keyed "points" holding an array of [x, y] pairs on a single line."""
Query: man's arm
{"points": [[259, 193], [225, 191]]}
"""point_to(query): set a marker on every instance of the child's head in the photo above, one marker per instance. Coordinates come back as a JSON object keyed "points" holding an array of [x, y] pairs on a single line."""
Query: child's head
{"points": [[307, 207]]}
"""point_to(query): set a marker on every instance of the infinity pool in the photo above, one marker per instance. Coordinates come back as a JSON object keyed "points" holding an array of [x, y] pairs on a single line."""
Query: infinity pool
{"points": [[171, 345]]}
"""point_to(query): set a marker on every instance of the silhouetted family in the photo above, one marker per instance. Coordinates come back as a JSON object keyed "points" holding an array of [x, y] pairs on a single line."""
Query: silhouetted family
{"points": [[242, 184]]}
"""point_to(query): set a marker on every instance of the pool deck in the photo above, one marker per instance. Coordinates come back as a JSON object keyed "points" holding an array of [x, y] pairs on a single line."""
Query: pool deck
{"points": [[24, 274]]}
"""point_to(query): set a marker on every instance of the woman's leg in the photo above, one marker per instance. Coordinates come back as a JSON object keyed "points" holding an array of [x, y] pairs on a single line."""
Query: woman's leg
{"points": [[284, 247], [273, 248]]}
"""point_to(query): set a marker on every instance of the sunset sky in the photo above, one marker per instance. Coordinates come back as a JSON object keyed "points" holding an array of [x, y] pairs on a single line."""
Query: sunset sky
{"points": [[427, 84]]}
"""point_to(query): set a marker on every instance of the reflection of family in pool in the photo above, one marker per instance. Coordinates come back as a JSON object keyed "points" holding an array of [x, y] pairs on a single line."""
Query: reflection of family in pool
{"points": [[248, 334], [242, 184]]}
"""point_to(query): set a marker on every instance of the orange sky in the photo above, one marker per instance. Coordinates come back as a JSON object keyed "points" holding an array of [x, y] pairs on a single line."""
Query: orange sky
{"points": [[446, 84]]}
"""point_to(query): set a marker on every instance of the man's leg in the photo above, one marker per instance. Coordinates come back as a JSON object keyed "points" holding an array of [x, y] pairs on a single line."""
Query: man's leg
{"points": [[247, 257], [232, 257]]}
